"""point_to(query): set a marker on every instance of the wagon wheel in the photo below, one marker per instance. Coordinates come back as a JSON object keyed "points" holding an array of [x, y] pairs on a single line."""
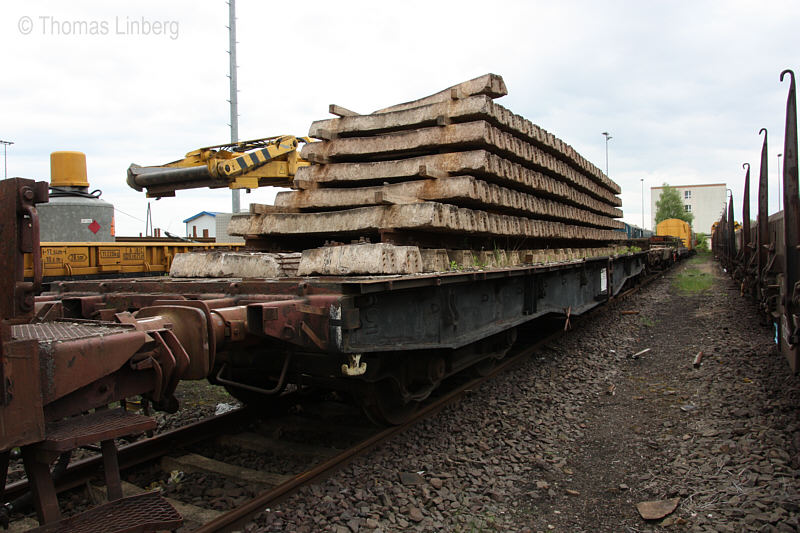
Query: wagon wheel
{"points": [[483, 367], [383, 404]]}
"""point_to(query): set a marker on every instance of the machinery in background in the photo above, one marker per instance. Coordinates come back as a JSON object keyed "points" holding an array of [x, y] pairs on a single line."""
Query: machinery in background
{"points": [[635, 232], [85, 260], [675, 227], [242, 165], [77, 232], [74, 214]]}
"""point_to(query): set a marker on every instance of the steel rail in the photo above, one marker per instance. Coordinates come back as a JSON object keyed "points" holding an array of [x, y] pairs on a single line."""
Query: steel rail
{"points": [[141, 451]]}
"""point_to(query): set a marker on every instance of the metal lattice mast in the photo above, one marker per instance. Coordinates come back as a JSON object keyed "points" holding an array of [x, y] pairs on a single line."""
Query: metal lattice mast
{"points": [[5, 157]]}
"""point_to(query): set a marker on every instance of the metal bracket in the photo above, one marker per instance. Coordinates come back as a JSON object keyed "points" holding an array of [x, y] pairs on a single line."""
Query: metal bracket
{"points": [[354, 367]]}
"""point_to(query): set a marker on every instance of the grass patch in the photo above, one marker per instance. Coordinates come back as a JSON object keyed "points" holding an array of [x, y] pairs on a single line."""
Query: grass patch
{"points": [[692, 280], [648, 322], [700, 257]]}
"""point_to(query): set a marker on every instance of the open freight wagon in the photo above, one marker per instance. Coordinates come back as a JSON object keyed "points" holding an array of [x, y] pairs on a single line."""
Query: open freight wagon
{"points": [[765, 256]]}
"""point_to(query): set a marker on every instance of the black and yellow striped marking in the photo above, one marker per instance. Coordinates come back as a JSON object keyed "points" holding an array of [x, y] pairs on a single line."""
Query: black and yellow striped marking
{"points": [[256, 158]]}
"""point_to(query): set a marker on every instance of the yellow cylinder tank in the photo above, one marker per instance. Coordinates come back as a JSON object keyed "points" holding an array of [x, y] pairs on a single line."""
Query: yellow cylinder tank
{"points": [[68, 169]]}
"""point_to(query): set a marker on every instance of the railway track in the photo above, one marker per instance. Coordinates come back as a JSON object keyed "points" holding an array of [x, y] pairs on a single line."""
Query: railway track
{"points": [[261, 460]]}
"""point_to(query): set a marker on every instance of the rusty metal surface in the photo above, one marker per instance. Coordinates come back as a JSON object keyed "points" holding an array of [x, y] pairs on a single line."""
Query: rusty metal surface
{"points": [[20, 224], [63, 331], [762, 218], [190, 325], [136, 514], [68, 365], [304, 322], [125, 383], [790, 328], [94, 427], [746, 218], [730, 234], [21, 417]]}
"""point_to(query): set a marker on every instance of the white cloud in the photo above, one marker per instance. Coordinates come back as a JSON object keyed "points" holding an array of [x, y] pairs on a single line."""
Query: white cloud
{"points": [[683, 87]]}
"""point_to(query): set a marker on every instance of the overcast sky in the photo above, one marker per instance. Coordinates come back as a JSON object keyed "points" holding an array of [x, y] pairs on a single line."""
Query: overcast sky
{"points": [[683, 87]]}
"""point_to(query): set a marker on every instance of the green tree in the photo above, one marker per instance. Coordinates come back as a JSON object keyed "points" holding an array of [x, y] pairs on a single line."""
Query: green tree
{"points": [[670, 205], [702, 242]]}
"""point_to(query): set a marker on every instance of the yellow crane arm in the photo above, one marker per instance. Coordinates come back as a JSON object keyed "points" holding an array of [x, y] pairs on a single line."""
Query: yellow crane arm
{"points": [[242, 165]]}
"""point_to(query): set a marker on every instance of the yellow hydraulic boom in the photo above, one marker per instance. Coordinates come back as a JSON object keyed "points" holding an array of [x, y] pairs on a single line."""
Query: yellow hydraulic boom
{"points": [[241, 165]]}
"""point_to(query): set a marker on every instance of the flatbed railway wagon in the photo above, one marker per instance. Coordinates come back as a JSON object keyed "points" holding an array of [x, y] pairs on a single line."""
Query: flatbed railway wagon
{"points": [[389, 339]]}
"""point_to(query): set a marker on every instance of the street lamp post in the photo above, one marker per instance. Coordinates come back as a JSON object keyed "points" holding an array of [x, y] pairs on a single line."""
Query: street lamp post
{"points": [[780, 199], [608, 138], [642, 180], [5, 157]]}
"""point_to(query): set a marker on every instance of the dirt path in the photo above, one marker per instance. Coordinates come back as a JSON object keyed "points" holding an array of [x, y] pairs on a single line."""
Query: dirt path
{"points": [[718, 437]]}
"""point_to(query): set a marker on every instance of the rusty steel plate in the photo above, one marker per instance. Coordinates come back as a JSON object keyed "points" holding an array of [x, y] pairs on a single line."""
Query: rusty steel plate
{"points": [[140, 513], [94, 427], [61, 331]]}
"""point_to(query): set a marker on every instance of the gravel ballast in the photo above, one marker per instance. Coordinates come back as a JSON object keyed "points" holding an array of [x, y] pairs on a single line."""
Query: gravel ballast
{"points": [[577, 436]]}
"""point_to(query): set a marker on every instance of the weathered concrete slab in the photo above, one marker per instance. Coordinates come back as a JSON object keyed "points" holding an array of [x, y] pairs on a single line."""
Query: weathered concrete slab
{"points": [[478, 163], [434, 260], [461, 258], [226, 264], [492, 258], [455, 137], [464, 191], [360, 259], [490, 85], [466, 110], [468, 259], [192, 462], [426, 216], [370, 259]]}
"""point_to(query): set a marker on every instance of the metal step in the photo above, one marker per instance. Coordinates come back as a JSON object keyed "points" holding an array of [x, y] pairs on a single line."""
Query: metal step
{"points": [[137, 514], [99, 426]]}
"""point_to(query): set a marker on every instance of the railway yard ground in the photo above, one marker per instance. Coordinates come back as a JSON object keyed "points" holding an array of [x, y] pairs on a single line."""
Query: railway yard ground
{"points": [[573, 439], [576, 437]]}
